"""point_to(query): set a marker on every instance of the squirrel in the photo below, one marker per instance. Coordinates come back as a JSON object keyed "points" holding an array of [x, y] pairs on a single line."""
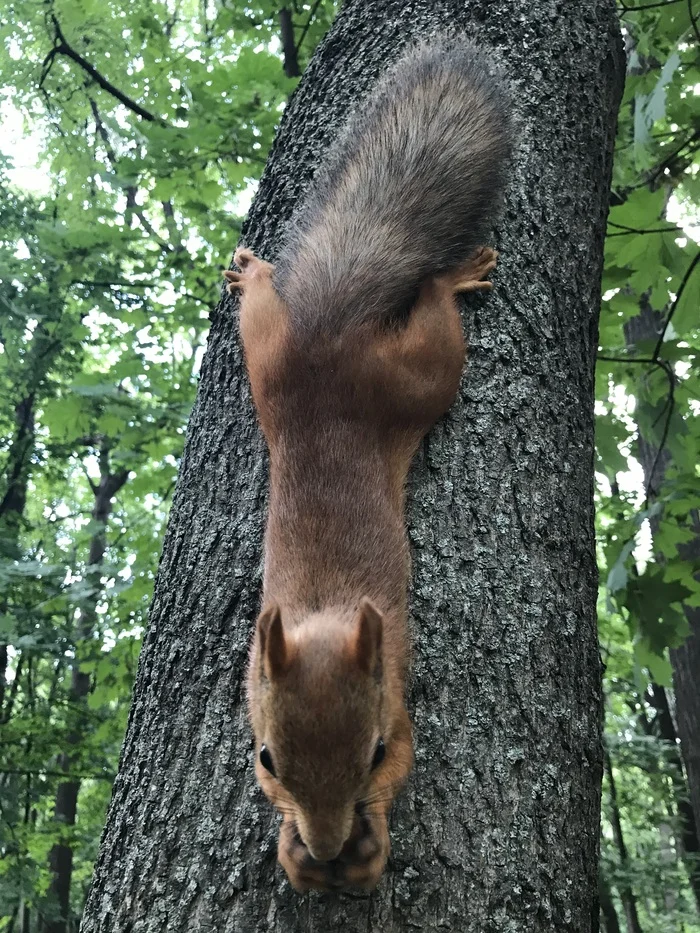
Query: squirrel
{"points": [[354, 348]]}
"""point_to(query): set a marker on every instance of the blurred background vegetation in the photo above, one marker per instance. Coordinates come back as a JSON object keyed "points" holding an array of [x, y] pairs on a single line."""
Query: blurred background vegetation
{"points": [[132, 138]]}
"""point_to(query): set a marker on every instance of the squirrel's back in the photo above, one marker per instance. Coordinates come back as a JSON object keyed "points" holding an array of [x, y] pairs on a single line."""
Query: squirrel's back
{"points": [[408, 190]]}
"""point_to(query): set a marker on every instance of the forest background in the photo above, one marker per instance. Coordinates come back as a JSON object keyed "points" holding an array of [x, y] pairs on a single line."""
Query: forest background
{"points": [[133, 136]]}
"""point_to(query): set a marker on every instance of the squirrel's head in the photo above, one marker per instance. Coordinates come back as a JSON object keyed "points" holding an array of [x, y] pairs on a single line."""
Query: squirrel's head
{"points": [[318, 716]]}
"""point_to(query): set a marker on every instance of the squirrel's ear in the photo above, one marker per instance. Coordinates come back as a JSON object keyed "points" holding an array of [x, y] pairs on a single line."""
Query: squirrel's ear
{"points": [[275, 655], [366, 643]]}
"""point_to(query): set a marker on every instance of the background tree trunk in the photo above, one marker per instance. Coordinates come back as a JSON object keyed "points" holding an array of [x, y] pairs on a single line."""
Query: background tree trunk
{"points": [[685, 659], [498, 829], [66, 804], [627, 896], [608, 914], [686, 686], [687, 829]]}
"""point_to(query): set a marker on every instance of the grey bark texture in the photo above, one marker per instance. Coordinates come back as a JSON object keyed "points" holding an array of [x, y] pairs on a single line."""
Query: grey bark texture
{"points": [[498, 829]]}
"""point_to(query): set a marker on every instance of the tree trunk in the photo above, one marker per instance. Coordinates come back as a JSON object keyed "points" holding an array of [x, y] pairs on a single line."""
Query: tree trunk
{"points": [[685, 661], [17, 467], [66, 804], [608, 913], [498, 829], [16, 474], [629, 901], [686, 818]]}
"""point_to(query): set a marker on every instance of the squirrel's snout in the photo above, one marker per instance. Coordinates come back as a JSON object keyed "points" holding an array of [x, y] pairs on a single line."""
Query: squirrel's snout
{"points": [[325, 838], [324, 851]]}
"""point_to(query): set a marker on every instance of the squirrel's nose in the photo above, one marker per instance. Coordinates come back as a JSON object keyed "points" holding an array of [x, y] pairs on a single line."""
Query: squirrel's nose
{"points": [[324, 836], [324, 851]]}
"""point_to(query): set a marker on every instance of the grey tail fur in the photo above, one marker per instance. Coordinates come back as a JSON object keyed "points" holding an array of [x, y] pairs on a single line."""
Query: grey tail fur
{"points": [[408, 190]]}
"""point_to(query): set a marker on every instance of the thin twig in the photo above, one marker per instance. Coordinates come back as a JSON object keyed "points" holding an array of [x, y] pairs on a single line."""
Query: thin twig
{"points": [[664, 434], [674, 306], [625, 230], [669, 406], [647, 6], [654, 173], [66, 775], [693, 21], [131, 190], [313, 12]]}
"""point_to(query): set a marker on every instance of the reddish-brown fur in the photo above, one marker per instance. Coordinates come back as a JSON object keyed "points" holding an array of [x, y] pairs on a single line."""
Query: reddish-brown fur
{"points": [[343, 414]]}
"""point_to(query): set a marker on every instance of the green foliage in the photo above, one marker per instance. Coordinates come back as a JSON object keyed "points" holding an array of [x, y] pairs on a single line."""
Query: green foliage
{"points": [[143, 130], [647, 461], [145, 127], [647, 387]]}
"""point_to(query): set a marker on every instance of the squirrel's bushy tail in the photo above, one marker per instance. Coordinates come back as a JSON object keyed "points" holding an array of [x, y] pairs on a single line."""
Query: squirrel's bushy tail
{"points": [[408, 190]]}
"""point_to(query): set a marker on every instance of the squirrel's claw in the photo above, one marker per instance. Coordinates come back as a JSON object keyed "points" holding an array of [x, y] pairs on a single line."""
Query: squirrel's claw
{"points": [[249, 264], [469, 276], [233, 279], [244, 256]]}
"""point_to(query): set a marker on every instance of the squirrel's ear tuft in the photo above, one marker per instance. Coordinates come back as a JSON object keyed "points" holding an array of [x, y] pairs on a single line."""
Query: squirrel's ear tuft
{"points": [[366, 643], [275, 655]]}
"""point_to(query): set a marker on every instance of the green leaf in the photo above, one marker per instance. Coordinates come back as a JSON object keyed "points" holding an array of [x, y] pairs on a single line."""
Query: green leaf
{"points": [[617, 577], [658, 665], [653, 604]]}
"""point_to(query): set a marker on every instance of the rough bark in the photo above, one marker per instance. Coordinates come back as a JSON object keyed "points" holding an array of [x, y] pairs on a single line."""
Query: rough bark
{"points": [[498, 829], [66, 803]]}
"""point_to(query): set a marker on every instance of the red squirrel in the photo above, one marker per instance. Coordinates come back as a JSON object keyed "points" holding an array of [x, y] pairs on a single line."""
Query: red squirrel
{"points": [[354, 348]]}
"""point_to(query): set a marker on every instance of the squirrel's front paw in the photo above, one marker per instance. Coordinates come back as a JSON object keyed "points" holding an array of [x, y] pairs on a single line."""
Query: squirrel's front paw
{"points": [[359, 865], [365, 854], [250, 266], [303, 871]]}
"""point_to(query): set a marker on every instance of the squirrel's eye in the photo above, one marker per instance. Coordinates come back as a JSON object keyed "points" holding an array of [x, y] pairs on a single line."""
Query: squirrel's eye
{"points": [[379, 753], [266, 760]]}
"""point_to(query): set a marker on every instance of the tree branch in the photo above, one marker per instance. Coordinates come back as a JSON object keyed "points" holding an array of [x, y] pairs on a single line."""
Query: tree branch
{"points": [[313, 12], [627, 230], [128, 286], [647, 6], [668, 407], [667, 162], [171, 224], [47, 772], [61, 47], [693, 21], [131, 190]]}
